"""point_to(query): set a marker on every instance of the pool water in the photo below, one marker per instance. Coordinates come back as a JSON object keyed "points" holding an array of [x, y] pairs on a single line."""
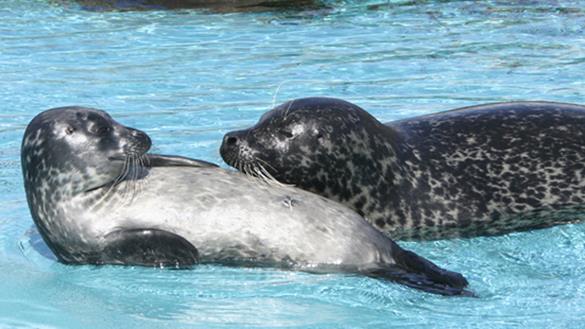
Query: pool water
{"points": [[186, 77]]}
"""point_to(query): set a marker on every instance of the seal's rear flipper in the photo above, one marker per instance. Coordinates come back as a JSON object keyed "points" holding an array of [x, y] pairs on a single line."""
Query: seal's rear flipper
{"points": [[159, 160], [417, 272], [148, 247], [417, 280]]}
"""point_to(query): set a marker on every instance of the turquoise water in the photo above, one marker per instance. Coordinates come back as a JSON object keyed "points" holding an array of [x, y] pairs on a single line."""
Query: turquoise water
{"points": [[187, 77]]}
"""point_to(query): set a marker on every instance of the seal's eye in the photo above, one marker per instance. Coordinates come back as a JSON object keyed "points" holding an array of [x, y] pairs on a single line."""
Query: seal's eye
{"points": [[69, 130], [286, 133], [103, 130]]}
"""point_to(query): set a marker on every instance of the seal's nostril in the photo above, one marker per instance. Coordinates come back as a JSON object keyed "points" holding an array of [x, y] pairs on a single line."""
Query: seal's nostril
{"points": [[231, 141]]}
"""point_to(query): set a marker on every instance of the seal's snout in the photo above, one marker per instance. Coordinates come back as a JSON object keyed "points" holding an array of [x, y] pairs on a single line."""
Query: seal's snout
{"points": [[230, 146], [231, 140], [140, 142]]}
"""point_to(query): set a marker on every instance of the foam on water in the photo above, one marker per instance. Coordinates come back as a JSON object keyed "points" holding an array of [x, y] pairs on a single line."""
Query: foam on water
{"points": [[187, 77]]}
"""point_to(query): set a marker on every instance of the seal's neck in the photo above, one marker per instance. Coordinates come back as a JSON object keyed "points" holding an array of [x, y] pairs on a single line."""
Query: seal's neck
{"points": [[119, 192], [371, 163], [47, 191], [387, 171], [53, 194]]}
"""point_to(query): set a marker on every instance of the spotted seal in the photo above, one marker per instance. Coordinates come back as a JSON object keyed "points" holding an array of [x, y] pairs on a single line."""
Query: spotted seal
{"points": [[97, 197], [480, 170]]}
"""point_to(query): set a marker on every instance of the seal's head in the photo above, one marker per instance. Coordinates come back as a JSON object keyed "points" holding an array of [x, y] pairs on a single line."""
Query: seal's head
{"points": [[69, 151], [315, 143]]}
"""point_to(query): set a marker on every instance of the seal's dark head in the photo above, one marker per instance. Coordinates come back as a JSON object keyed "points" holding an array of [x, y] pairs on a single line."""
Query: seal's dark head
{"points": [[68, 151], [319, 144]]}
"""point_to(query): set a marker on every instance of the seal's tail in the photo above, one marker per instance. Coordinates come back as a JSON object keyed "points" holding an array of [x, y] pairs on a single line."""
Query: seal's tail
{"points": [[417, 272]]}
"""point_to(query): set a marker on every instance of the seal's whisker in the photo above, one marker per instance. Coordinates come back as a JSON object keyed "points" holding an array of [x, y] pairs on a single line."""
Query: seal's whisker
{"points": [[277, 91], [128, 167], [146, 177], [266, 177], [290, 104], [241, 167], [134, 178], [143, 173], [128, 179], [123, 189], [120, 179], [258, 173], [262, 171], [265, 163], [146, 160], [137, 169], [138, 182], [145, 164], [237, 165], [271, 178], [139, 173], [245, 169]]}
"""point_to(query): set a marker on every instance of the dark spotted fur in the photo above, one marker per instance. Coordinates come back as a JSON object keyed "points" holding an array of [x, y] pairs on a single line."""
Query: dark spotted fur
{"points": [[481, 170]]}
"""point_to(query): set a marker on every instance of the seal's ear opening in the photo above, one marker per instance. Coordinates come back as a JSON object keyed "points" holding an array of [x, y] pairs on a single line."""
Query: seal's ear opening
{"points": [[417, 272]]}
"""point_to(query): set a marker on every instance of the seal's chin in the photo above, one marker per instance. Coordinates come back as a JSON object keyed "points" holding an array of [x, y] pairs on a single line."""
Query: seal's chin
{"points": [[238, 158], [239, 162], [230, 158], [229, 155]]}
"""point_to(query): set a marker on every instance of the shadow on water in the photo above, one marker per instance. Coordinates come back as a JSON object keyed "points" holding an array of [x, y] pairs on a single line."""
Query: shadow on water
{"points": [[32, 241], [211, 5]]}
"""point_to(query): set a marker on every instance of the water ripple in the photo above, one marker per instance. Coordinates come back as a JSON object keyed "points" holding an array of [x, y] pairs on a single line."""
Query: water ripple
{"points": [[187, 77]]}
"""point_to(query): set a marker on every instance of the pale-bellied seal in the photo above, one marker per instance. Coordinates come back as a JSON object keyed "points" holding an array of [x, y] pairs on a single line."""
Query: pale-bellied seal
{"points": [[97, 198], [480, 170]]}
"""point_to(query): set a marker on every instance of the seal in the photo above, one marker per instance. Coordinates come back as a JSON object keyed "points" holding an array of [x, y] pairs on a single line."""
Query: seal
{"points": [[97, 197], [481, 170]]}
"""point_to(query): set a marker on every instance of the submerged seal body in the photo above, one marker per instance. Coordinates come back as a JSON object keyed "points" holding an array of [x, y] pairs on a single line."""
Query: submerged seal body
{"points": [[97, 197], [480, 170]]}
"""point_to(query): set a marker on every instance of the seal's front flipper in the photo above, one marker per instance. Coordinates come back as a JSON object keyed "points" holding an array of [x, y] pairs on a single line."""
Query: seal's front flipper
{"points": [[148, 247], [417, 272], [159, 160]]}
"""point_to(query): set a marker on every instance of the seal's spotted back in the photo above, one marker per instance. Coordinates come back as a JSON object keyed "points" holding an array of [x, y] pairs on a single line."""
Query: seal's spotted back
{"points": [[481, 170]]}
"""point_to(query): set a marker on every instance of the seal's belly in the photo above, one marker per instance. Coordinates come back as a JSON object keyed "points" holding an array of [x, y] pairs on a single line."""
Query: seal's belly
{"points": [[233, 218]]}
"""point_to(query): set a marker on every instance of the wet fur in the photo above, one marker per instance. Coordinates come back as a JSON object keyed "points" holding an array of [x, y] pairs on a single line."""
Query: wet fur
{"points": [[482, 170], [97, 197]]}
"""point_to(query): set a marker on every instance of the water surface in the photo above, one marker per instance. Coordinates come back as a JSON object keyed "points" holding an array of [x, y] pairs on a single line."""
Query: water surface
{"points": [[186, 77]]}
